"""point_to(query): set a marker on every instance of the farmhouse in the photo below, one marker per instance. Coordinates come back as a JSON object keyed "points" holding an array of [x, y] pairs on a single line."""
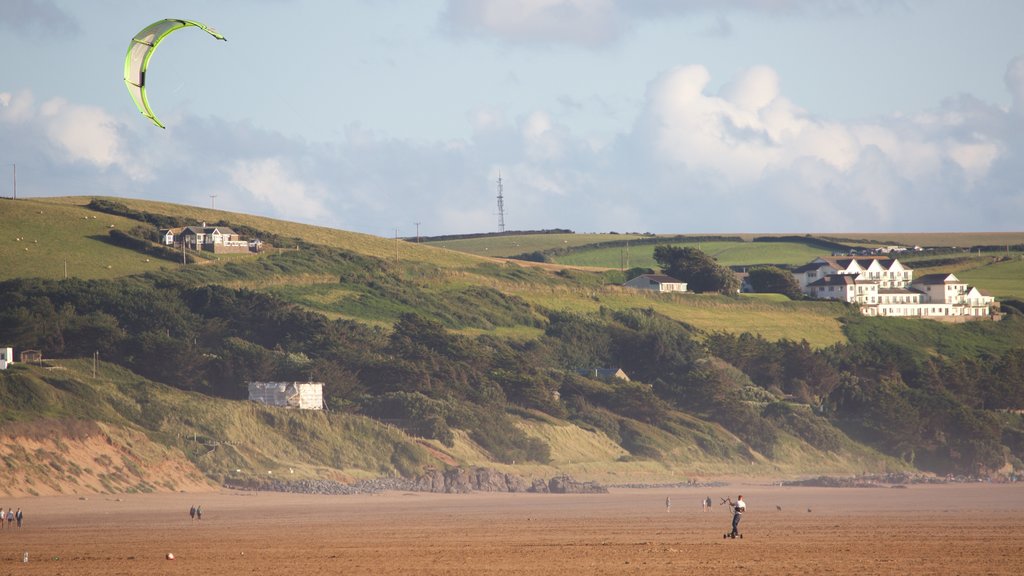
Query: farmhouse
{"points": [[301, 395], [882, 286], [217, 239], [657, 282]]}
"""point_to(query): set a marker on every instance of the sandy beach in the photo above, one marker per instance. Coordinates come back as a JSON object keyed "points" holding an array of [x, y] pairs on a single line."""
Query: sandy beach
{"points": [[934, 529]]}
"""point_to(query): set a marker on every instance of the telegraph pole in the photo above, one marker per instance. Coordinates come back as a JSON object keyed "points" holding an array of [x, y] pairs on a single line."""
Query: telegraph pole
{"points": [[14, 173], [213, 198], [417, 232]]}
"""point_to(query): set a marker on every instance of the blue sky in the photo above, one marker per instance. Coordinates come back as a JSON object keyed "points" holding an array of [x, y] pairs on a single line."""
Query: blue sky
{"points": [[687, 116]]}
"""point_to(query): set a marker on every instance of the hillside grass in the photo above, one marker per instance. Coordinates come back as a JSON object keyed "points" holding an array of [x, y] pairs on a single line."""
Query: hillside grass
{"points": [[245, 442], [817, 322], [505, 246], [925, 339], [1004, 279], [225, 439], [930, 239], [37, 239], [726, 253], [360, 243], [436, 281]]}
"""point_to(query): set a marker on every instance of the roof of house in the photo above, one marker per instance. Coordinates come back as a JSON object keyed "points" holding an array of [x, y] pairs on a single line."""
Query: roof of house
{"points": [[862, 261], [905, 291], [937, 279], [840, 279], [809, 266], [661, 278], [208, 230]]}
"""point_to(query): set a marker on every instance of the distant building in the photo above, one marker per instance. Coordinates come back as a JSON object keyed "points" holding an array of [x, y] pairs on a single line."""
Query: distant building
{"points": [[657, 283], [217, 239], [30, 356], [881, 286], [301, 395], [6, 357]]}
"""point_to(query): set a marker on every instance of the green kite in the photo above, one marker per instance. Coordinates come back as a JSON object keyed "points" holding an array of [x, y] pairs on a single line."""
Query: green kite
{"points": [[141, 49]]}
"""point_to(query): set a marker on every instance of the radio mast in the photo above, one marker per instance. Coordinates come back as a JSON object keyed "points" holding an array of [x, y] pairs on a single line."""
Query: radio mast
{"points": [[501, 205]]}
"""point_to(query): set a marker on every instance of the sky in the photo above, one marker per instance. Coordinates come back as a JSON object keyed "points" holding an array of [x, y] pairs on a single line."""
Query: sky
{"points": [[664, 116]]}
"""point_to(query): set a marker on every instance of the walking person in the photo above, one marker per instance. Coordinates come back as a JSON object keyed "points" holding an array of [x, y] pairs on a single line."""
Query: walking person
{"points": [[192, 513], [668, 504], [18, 516], [199, 512], [738, 508], [10, 517]]}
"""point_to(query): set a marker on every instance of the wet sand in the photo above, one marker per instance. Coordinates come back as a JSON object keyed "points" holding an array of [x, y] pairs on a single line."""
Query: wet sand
{"points": [[946, 529]]}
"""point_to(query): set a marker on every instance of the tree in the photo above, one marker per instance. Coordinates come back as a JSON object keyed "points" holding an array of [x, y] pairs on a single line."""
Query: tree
{"points": [[697, 269], [773, 280]]}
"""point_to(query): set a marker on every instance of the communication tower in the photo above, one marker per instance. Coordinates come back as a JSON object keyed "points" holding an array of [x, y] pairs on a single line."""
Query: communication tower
{"points": [[501, 205]]}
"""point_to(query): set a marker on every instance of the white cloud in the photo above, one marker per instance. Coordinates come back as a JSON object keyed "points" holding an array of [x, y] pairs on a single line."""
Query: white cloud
{"points": [[269, 182], [84, 133]]}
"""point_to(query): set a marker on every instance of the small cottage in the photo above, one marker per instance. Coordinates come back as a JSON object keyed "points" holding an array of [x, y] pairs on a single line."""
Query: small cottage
{"points": [[656, 282]]}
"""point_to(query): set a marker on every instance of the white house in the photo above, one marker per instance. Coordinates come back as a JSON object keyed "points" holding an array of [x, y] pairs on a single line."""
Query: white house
{"points": [[168, 235], [210, 238], [6, 357], [888, 272], [301, 395], [657, 282], [884, 287]]}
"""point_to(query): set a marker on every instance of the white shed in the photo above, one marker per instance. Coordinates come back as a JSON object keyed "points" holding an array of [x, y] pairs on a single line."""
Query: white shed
{"points": [[6, 357], [301, 395]]}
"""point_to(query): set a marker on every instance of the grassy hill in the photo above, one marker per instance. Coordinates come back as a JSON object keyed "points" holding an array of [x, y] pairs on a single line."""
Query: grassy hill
{"points": [[72, 433], [486, 376], [59, 230]]}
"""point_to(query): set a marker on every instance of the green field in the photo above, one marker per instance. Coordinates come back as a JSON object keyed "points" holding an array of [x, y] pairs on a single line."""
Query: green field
{"points": [[1001, 279], [513, 245], [40, 235], [55, 231], [727, 254]]}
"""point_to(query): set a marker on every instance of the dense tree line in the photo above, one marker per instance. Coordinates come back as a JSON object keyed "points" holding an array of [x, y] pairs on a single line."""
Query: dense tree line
{"points": [[944, 413]]}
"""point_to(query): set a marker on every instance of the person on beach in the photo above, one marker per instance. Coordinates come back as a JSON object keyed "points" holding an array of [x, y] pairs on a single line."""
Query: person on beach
{"points": [[199, 512], [192, 512], [668, 504], [18, 516], [10, 517], [706, 503], [738, 508]]}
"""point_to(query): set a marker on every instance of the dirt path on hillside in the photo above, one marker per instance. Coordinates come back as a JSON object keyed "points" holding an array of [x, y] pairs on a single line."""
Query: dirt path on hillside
{"points": [[963, 529]]}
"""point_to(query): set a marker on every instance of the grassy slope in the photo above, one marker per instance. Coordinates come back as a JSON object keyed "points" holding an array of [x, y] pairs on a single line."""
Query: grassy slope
{"points": [[66, 229], [341, 446], [727, 254], [1000, 279], [151, 424], [505, 246]]}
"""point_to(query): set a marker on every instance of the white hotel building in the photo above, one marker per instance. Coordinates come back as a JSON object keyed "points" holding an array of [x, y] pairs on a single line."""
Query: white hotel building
{"points": [[884, 287]]}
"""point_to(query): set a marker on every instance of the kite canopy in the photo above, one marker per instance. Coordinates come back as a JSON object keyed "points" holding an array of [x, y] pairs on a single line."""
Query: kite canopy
{"points": [[141, 49]]}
